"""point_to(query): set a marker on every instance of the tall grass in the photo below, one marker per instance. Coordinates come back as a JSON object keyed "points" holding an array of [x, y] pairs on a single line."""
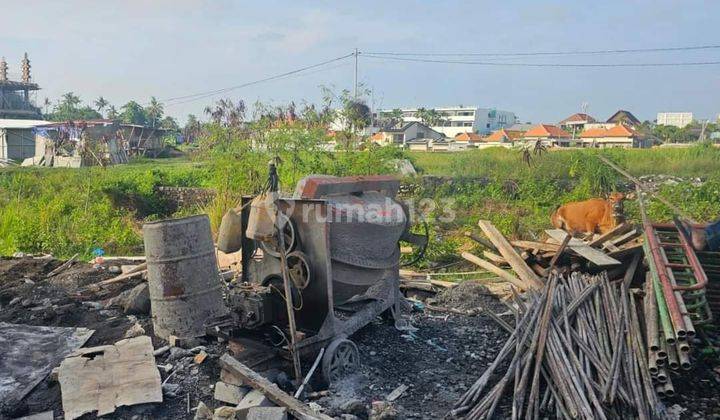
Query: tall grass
{"points": [[64, 211]]}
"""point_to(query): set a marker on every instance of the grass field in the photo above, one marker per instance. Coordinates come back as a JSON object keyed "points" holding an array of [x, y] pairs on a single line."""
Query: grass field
{"points": [[63, 211]]}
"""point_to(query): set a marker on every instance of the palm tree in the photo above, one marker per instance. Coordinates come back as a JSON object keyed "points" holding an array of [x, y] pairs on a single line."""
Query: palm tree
{"points": [[192, 128], [46, 104], [100, 104], [70, 100], [112, 112], [154, 111], [430, 117]]}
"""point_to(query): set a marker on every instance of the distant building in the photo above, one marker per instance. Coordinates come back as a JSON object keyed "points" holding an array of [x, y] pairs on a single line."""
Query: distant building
{"points": [[624, 117], [462, 119], [402, 135], [617, 136], [15, 96], [576, 123], [549, 135], [676, 119], [17, 139]]}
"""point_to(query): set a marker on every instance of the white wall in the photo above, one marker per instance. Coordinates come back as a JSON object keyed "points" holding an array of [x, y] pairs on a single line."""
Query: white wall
{"points": [[677, 119], [477, 120]]}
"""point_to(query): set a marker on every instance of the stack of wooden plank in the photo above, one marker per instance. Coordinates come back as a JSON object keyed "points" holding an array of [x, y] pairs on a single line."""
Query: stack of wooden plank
{"points": [[525, 263]]}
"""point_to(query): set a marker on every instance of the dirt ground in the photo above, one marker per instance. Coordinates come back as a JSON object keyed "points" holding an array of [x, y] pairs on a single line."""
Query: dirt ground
{"points": [[438, 362]]}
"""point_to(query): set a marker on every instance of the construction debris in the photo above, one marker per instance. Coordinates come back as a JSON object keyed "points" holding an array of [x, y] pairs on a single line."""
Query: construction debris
{"points": [[19, 374], [269, 390], [106, 377], [231, 394]]}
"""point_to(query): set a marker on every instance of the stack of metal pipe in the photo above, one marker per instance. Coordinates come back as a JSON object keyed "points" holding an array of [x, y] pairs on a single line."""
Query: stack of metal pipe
{"points": [[576, 351], [668, 349]]}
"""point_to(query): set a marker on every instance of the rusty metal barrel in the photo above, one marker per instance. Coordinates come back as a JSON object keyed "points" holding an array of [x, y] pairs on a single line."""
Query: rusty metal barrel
{"points": [[183, 279]]}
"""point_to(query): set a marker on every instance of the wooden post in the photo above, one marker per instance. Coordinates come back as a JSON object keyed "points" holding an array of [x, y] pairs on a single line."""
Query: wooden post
{"points": [[288, 296], [494, 269], [269, 389], [511, 256]]}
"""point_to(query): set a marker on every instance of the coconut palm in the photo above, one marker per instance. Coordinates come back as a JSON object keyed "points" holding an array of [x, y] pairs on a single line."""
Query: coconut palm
{"points": [[100, 104], [154, 111]]}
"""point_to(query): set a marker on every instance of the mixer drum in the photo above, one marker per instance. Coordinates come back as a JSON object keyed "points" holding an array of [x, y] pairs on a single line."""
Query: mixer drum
{"points": [[364, 233]]}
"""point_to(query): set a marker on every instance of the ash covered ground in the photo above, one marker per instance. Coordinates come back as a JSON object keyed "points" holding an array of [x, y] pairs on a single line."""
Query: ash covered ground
{"points": [[438, 362]]}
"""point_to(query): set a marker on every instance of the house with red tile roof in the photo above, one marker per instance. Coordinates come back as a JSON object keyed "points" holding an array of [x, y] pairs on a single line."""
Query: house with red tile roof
{"points": [[504, 135], [624, 117], [468, 137], [549, 135], [576, 123], [619, 135]]}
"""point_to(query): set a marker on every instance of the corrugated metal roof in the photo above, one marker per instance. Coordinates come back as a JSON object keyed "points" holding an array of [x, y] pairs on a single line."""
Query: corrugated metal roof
{"points": [[21, 123]]}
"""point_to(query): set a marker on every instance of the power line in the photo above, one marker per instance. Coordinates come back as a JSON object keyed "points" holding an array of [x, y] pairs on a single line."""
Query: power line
{"points": [[202, 95], [542, 53], [304, 74], [501, 64]]}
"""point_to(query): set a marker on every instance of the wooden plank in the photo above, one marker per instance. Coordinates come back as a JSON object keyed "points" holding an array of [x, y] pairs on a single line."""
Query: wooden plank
{"points": [[444, 284], [610, 247], [508, 252], [497, 270], [482, 241], [138, 270], [63, 266], [557, 255], [581, 248], [627, 250], [619, 230], [397, 392], [270, 390], [626, 237], [495, 258], [542, 246]]}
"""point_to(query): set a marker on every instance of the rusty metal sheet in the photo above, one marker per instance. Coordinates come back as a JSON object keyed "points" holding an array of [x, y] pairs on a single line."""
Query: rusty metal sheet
{"points": [[28, 353]]}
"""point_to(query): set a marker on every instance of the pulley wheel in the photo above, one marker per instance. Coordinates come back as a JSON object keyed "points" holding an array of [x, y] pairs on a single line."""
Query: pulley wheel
{"points": [[341, 358], [272, 248], [299, 269]]}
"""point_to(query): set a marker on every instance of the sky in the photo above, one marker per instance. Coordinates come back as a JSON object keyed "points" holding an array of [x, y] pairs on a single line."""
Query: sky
{"points": [[133, 49]]}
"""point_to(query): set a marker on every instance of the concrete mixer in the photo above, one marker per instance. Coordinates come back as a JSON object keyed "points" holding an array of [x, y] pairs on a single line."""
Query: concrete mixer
{"points": [[341, 248]]}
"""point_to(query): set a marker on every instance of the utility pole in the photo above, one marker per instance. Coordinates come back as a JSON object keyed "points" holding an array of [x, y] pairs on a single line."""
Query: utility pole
{"points": [[356, 72]]}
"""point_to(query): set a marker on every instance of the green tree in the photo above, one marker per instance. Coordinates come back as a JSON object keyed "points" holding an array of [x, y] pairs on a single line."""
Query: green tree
{"points": [[69, 109], [133, 113], [227, 113], [154, 111], [430, 117], [112, 112], [192, 129], [391, 118], [100, 104], [169, 123]]}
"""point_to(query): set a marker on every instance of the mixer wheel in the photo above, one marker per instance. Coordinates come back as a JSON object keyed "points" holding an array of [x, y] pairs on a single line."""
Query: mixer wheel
{"points": [[341, 358], [290, 237], [299, 269]]}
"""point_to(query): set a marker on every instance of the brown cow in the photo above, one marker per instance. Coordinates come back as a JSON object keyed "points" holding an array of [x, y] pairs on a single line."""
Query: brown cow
{"points": [[590, 216]]}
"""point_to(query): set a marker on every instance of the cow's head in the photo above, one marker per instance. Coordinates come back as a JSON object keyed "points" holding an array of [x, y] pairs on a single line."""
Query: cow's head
{"points": [[616, 199]]}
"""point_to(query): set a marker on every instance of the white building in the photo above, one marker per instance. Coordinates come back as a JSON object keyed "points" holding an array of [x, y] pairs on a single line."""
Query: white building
{"points": [[17, 139], [463, 119], [677, 119]]}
